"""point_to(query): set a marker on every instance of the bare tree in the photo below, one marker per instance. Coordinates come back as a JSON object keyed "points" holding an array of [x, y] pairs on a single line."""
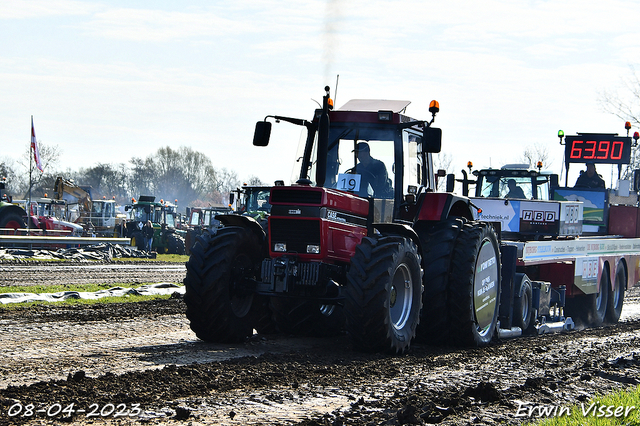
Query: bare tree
{"points": [[627, 108], [442, 161], [535, 153], [41, 182], [255, 181]]}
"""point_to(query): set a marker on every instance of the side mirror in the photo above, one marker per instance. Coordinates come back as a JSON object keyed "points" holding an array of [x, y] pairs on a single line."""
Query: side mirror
{"points": [[262, 133], [451, 182], [231, 198], [432, 140]]}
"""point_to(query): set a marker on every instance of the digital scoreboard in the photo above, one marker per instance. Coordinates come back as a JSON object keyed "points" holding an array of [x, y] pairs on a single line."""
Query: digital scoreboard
{"points": [[599, 148]]}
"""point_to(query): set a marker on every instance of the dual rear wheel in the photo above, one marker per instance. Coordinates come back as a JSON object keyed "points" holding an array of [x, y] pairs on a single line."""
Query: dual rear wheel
{"points": [[603, 307], [462, 283]]}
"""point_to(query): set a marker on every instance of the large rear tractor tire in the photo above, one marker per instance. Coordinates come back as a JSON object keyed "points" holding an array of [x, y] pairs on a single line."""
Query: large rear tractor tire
{"points": [[175, 244], [523, 315], [589, 310], [474, 286], [307, 318], [383, 295], [437, 246], [221, 306], [11, 220], [616, 296]]}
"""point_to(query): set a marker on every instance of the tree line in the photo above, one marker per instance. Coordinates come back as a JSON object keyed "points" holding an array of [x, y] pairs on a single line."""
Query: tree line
{"points": [[181, 174]]}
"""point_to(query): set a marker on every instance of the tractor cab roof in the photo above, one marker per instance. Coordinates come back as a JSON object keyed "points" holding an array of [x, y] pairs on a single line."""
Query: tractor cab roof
{"points": [[375, 105]]}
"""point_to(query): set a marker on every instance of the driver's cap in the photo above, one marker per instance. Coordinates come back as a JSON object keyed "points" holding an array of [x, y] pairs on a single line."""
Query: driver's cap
{"points": [[362, 146]]}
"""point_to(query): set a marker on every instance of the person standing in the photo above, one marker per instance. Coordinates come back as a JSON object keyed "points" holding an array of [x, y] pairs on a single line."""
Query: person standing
{"points": [[148, 235]]}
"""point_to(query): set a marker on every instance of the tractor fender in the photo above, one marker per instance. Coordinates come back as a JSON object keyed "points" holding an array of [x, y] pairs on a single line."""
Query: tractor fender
{"points": [[398, 229], [437, 206], [243, 221], [6, 208]]}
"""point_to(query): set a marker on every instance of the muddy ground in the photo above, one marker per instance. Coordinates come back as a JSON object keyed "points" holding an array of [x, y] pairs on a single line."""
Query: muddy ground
{"points": [[140, 364]]}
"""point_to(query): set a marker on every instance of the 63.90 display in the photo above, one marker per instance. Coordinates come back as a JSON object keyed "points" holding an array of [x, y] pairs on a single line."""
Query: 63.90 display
{"points": [[599, 148]]}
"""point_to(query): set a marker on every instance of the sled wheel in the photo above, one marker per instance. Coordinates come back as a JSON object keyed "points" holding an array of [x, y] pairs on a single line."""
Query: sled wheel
{"points": [[616, 296], [523, 315], [383, 296], [590, 309]]}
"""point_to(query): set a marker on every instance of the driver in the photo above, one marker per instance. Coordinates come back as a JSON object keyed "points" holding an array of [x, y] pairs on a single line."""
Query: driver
{"points": [[373, 170]]}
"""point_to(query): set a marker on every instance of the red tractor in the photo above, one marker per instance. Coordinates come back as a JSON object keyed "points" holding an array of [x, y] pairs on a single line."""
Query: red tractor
{"points": [[361, 243]]}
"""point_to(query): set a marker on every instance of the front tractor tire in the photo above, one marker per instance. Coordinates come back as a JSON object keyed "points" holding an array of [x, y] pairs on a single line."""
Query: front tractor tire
{"points": [[383, 296], [474, 286], [219, 294]]}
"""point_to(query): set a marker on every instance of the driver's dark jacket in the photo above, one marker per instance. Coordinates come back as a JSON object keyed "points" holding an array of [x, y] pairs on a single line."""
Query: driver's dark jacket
{"points": [[584, 181], [381, 184]]}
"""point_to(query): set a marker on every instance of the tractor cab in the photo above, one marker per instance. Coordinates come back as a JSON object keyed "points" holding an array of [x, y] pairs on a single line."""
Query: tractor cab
{"points": [[514, 181], [166, 238], [252, 200], [367, 148]]}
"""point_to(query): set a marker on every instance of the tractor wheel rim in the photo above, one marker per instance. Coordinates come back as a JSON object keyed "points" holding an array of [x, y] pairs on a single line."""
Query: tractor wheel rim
{"points": [[525, 307], [401, 297], [327, 310]]}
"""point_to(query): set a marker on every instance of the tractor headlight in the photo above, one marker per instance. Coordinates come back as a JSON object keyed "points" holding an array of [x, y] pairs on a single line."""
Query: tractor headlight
{"points": [[313, 249], [281, 247]]}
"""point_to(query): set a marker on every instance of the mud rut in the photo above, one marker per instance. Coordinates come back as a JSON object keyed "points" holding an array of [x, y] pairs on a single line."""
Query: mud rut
{"points": [[122, 359]]}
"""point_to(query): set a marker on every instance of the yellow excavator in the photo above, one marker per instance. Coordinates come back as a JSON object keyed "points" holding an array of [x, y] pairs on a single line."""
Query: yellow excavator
{"points": [[97, 217]]}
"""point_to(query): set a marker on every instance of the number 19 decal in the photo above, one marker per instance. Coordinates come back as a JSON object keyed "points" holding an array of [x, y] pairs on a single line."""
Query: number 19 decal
{"points": [[348, 182]]}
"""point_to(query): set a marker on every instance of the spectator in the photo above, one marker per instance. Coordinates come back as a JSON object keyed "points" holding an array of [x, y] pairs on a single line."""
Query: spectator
{"points": [[148, 235]]}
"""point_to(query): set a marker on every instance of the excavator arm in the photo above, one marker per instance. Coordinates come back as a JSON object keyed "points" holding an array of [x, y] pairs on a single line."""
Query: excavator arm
{"points": [[64, 186]]}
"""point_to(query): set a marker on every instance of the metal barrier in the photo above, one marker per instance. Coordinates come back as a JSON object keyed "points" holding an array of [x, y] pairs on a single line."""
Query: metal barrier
{"points": [[19, 240]]}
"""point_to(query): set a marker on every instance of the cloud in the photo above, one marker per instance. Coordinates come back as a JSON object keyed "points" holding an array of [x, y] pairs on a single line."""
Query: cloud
{"points": [[29, 9], [159, 25]]}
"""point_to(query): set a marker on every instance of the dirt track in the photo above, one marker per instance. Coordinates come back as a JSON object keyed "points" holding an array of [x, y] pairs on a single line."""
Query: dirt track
{"points": [[129, 354]]}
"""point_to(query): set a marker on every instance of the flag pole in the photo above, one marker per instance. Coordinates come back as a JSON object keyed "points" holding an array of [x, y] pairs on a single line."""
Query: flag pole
{"points": [[30, 183]]}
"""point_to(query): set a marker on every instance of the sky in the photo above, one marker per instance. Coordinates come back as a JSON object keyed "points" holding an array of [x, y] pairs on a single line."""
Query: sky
{"points": [[106, 81]]}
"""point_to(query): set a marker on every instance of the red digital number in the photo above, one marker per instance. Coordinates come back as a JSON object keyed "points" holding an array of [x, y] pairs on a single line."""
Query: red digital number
{"points": [[619, 145], [576, 152], [591, 150], [603, 152]]}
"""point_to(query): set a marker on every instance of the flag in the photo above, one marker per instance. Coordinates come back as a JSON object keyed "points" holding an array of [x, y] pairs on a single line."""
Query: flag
{"points": [[34, 146]]}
